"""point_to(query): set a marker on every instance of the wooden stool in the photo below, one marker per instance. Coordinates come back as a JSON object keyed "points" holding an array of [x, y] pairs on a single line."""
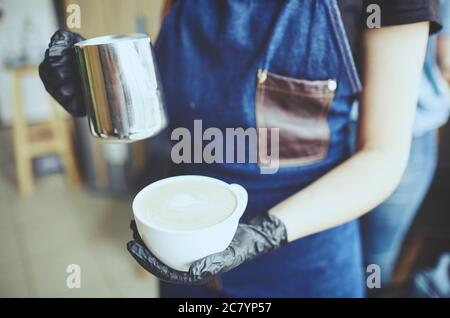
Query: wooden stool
{"points": [[52, 136]]}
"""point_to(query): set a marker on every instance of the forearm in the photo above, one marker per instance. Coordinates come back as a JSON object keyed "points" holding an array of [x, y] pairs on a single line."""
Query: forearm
{"points": [[348, 191]]}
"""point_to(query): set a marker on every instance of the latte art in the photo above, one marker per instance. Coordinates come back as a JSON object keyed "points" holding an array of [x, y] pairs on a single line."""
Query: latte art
{"points": [[189, 204], [184, 218]]}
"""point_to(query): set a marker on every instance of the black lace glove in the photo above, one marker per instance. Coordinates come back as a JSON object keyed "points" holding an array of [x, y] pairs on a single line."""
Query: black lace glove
{"points": [[59, 72], [262, 234]]}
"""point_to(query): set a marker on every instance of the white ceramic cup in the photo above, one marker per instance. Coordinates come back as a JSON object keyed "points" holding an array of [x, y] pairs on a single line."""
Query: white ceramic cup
{"points": [[179, 248]]}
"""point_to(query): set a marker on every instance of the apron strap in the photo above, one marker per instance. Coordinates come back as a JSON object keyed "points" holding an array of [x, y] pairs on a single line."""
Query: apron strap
{"points": [[275, 37]]}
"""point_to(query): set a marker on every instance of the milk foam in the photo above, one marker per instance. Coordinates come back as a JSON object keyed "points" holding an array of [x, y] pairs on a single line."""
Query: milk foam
{"points": [[189, 204]]}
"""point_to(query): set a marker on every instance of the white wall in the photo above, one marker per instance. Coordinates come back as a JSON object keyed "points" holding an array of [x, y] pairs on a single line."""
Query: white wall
{"points": [[41, 20]]}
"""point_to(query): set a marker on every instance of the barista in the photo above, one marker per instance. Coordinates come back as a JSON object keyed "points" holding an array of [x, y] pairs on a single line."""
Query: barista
{"points": [[210, 54]]}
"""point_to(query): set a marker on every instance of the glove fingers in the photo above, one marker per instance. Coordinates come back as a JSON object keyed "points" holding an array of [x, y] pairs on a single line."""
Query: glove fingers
{"points": [[64, 75], [63, 89], [56, 51], [44, 71], [147, 260], [62, 40], [68, 58], [59, 75], [213, 264], [75, 106], [66, 37], [150, 262], [62, 64], [64, 93], [60, 53], [72, 103], [59, 72]]}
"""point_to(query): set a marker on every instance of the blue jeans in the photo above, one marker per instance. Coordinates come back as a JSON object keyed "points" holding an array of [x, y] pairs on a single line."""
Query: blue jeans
{"points": [[384, 228], [433, 282]]}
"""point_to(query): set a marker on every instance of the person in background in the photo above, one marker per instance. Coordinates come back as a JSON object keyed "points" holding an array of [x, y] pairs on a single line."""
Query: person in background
{"points": [[435, 282], [383, 229], [443, 43], [432, 282], [290, 63]]}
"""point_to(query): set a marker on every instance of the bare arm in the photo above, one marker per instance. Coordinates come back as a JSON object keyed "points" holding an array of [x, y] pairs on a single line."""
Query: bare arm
{"points": [[393, 59]]}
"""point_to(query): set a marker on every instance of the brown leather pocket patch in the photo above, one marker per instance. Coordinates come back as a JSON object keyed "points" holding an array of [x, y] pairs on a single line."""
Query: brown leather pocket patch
{"points": [[299, 109]]}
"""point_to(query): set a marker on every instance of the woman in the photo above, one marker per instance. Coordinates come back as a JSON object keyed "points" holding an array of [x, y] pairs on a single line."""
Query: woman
{"points": [[287, 65]]}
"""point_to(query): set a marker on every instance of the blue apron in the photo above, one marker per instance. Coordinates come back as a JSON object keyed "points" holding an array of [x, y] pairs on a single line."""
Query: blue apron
{"points": [[268, 63]]}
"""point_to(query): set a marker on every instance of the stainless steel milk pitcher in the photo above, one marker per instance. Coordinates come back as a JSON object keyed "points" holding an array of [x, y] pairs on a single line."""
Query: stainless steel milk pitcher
{"points": [[121, 87]]}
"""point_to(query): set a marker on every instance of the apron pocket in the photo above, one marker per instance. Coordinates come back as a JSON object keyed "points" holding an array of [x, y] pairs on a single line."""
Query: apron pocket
{"points": [[299, 109]]}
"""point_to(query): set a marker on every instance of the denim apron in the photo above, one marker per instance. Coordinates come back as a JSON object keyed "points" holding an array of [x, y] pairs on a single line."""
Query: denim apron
{"points": [[277, 64]]}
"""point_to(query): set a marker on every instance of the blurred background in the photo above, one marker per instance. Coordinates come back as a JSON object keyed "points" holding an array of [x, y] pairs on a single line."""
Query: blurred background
{"points": [[65, 197]]}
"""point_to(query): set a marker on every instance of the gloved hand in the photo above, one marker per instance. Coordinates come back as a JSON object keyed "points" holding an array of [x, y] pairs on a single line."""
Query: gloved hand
{"points": [[59, 72], [262, 234]]}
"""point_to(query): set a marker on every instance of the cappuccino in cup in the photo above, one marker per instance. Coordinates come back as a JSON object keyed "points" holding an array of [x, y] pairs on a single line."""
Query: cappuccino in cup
{"points": [[182, 219], [189, 204]]}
